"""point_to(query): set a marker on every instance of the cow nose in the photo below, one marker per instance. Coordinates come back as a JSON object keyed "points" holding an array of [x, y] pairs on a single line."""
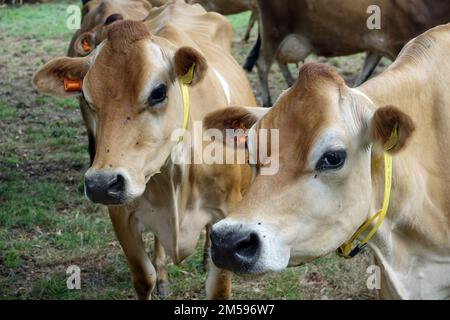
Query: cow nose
{"points": [[105, 187], [236, 251]]}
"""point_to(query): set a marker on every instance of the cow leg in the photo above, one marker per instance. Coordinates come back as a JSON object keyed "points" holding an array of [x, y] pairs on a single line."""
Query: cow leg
{"points": [[207, 248], [127, 231], [370, 63], [263, 74], [284, 68], [159, 261], [251, 23], [218, 284]]}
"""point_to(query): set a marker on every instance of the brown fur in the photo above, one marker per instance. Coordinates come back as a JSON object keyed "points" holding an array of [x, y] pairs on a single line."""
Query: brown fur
{"points": [[184, 58], [323, 30], [229, 118], [226, 7], [311, 73], [383, 123], [122, 34], [112, 18], [300, 116]]}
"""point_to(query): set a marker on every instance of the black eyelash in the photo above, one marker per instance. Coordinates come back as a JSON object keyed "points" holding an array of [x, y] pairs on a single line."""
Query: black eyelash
{"points": [[331, 160], [158, 95]]}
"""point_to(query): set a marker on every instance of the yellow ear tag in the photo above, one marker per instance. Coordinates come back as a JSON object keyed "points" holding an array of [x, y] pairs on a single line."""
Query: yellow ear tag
{"points": [[392, 141], [188, 76], [185, 80]]}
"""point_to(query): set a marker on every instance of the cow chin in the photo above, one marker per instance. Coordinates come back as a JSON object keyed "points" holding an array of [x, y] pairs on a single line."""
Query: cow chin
{"points": [[249, 248]]}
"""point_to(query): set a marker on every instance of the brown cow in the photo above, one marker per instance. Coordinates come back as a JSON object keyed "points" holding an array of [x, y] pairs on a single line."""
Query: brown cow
{"points": [[292, 29], [344, 154], [96, 16], [138, 83]]}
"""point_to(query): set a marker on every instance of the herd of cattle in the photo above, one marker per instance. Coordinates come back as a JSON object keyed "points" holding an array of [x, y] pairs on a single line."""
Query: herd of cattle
{"points": [[143, 69]]}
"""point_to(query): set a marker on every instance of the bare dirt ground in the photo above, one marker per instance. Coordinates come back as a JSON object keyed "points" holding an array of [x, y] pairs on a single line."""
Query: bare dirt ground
{"points": [[47, 225]]}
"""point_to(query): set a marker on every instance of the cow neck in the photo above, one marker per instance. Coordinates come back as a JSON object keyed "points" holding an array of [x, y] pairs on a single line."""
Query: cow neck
{"points": [[349, 249], [185, 81]]}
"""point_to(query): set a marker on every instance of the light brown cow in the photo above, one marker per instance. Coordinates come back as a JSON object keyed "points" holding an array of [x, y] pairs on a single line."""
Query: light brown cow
{"points": [[332, 174], [292, 29], [96, 16], [133, 85], [227, 7]]}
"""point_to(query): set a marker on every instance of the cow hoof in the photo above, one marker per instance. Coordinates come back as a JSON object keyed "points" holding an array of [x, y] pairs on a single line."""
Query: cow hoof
{"points": [[163, 289], [143, 290]]}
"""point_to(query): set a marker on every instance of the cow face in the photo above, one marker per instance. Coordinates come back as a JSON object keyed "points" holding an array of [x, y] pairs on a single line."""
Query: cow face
{"points": [[131, 83], [331, 140]]}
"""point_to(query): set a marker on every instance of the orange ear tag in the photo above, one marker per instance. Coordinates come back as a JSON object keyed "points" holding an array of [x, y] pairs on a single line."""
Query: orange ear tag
{"points": [[72, 85], [241, 140], [86, 46]]}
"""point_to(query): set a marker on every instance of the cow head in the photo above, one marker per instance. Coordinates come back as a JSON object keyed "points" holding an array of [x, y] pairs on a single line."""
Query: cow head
{"points": [[331, 141], [89, 40], [97, 14], [132, 85]]}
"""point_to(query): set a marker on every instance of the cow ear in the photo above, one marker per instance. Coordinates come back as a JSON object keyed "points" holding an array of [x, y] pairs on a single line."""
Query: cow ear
{"points": [[61, 77], [190, 65], [85, 43], [237, 119], [113, 18], [390, 129]]}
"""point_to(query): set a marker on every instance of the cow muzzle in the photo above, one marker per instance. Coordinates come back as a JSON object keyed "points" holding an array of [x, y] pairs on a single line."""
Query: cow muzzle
{"points": [[106, 187], [237, 251]]}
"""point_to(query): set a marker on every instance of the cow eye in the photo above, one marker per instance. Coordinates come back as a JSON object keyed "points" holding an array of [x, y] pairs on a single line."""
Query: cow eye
{"points": [[331, 160], [158, 95]]}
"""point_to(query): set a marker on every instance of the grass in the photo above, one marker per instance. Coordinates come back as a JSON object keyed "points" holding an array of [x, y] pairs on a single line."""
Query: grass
{"points": [[37, 22], [46, 224], [7, 112]]}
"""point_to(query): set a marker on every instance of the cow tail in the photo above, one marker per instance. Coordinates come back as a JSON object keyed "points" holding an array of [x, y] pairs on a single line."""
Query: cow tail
{"points": [[253, 55]]}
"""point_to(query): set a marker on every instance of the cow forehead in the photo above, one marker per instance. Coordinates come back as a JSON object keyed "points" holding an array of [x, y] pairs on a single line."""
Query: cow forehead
{"points": [[129, 73], [309, 121]]}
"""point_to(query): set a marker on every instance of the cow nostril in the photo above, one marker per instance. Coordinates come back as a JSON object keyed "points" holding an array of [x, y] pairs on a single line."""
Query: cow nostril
{"points": [[117, 184], [236, 251], [248, 247]]}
